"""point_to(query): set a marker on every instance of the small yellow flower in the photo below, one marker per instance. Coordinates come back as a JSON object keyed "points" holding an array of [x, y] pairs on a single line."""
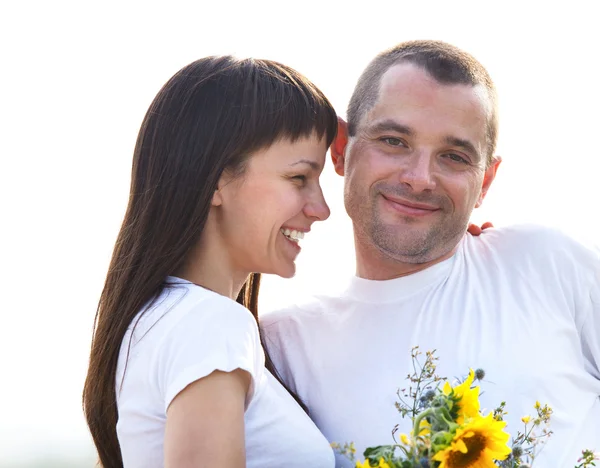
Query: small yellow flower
{"points": [[526, 419], [365, 464], [468, 405], [404, 439], [537, 405], [476, 444]]}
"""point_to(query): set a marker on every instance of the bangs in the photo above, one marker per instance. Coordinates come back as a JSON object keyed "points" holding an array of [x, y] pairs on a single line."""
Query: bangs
{"points": [[277, 102]]}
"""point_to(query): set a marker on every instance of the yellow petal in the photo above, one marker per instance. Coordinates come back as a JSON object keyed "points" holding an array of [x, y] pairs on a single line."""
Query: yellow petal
{"points": [[466, 385], [484, 428], [424, 428], [459, 446]]}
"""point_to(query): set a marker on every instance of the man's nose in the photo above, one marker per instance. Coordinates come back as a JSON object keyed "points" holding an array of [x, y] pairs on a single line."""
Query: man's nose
{"points": [[417, 173]]}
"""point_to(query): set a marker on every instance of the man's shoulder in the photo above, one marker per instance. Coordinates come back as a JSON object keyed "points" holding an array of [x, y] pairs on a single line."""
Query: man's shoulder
{"points": [[524, 234], [539, 250], [286, 331], [531, 240], [311, 307]]}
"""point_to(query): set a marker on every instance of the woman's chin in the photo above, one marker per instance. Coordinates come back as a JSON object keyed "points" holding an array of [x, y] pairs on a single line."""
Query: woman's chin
{"points": [[286, 271], [282, 267]]}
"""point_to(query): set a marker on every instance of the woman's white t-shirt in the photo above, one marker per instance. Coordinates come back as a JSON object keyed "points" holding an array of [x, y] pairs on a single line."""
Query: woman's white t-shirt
{"points": [[186, 334]]}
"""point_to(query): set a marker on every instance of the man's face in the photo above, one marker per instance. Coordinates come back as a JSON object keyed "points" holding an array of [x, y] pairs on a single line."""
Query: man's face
{"points": [[416, 167]]}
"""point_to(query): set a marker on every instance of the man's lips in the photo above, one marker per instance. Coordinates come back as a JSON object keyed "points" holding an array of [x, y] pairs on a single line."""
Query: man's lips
{"points": [[410, 208]]}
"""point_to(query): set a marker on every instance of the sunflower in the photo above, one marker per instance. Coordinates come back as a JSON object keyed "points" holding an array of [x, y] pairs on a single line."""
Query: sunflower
{"points": [[476, 444], [468, 398]]}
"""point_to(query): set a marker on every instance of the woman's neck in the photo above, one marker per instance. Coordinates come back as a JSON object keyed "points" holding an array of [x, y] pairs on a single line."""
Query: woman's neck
{"points": [[210, 265]]}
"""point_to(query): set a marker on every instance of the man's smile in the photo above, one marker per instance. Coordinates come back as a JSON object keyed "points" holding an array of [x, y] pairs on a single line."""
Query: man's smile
{"points": [[409, 208]]}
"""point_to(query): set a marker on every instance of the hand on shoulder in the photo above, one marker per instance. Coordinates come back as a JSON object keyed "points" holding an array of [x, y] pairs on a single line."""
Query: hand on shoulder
{"points": [[475, 230]]}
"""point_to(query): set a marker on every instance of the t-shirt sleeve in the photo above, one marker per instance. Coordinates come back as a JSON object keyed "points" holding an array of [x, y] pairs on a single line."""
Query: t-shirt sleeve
{"points": [[590, 327], [215, 334], [575, 263]]}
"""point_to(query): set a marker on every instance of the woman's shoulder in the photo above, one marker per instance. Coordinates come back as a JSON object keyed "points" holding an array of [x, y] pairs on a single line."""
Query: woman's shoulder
{"points": [[194, 303], [184, 312], [204, 332]]}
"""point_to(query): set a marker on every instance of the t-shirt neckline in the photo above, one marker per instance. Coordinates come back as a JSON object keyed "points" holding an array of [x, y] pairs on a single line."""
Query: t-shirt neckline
{"points": [[381, 291]]}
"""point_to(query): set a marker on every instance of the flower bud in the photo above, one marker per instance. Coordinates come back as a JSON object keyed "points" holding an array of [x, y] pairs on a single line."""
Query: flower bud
{"points": [[517, 451]]}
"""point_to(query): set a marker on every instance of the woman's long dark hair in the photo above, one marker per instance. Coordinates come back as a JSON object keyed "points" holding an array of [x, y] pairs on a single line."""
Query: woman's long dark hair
{"points": [[208, 117]]}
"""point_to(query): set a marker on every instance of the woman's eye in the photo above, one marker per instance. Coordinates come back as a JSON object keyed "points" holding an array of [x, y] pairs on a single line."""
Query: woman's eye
{"points": [[299, 178], [393, 141]]}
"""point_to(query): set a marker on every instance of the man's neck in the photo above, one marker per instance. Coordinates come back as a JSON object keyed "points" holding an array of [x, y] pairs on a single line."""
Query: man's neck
{"points": [[373, 264]]}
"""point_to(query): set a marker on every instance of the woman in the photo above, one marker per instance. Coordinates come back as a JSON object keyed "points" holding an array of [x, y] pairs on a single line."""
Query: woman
{"points": [[225, 182]]}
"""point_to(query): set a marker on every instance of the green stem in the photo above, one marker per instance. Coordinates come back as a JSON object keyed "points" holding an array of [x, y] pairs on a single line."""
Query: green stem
{"points": [[418, 419]]}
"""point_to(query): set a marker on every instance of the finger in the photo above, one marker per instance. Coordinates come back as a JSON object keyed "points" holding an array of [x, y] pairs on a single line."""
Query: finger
{"points": [[474, 230]]}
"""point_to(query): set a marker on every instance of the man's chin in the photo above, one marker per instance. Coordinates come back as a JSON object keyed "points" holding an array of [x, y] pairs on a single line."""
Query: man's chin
{"points": [[416, 246]]}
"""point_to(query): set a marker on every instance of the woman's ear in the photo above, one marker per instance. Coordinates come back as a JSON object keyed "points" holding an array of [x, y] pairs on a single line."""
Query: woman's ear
{"points": [[338, 147], [217, 198], [224, 180]]}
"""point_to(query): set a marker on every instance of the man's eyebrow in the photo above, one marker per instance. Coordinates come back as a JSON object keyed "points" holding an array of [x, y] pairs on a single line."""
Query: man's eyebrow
{"points": [[465, 145], [313, 165], [391, 125]]}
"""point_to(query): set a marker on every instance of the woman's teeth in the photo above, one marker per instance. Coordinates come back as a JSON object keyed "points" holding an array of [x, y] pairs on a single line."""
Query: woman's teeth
{"points": [[293, 235]]}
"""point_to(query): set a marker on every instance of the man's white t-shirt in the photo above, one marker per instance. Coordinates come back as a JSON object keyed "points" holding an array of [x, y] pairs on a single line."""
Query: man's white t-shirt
{"points": [[522, 303], [188, 333]]}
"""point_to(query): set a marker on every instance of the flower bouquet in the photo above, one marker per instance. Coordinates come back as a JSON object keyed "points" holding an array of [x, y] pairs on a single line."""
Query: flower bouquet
{"points": [[449, 429]]}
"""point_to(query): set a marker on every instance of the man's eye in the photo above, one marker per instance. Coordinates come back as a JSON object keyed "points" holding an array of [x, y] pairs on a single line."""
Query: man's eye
{"points": [[299, 178], [456, 158], [393, 141]]}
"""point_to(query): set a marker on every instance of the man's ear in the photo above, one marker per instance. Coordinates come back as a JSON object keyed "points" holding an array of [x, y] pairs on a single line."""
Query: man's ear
{"points": [[488, 178], [338, 147]]}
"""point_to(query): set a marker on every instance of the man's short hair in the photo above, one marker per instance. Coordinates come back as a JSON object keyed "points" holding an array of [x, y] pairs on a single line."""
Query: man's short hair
{"points": [[445, 63]]}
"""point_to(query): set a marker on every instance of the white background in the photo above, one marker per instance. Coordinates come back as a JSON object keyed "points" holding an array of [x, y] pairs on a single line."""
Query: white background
{"points": [[77, 77]]}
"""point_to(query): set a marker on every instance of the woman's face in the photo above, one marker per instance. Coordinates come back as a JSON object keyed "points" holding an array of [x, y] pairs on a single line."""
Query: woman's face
{"points": [[265, 213]]}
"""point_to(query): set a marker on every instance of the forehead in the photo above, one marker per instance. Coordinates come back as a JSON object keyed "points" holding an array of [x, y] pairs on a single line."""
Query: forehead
{"points": [[284, 152], [408, 94]]}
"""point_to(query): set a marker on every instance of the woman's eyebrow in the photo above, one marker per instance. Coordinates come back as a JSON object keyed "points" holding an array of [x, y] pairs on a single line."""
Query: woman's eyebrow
{"points": [[312, 164]]}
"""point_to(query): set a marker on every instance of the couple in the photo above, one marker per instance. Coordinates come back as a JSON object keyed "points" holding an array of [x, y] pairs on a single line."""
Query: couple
{"points": [[225, 183]]}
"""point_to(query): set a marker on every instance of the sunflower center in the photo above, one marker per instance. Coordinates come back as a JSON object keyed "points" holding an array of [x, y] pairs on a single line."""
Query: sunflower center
{"points": [[475, 446]]}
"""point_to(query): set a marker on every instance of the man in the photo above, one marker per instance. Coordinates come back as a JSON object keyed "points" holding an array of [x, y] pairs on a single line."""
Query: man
{"points": [[523, 303]]}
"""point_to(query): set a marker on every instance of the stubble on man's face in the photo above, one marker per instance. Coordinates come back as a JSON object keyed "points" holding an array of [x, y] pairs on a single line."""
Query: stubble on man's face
{"points": [[402, 238], [408, 241], [376, 171]]}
